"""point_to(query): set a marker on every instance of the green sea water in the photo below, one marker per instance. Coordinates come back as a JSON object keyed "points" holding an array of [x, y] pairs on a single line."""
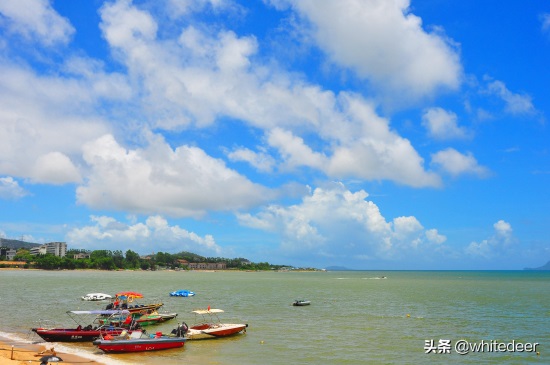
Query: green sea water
{"points": [[355, 317]]}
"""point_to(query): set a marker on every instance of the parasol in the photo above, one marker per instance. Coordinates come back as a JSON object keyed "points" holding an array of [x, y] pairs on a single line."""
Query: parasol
{"points": [[132, 294]]}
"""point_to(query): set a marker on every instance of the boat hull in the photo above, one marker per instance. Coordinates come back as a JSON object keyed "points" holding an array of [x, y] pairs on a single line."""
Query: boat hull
{"points": [[139, 345], [74, 335], [204, 332]]}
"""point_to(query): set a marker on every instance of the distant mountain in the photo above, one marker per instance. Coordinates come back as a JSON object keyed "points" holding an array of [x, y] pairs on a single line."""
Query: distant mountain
{"points": [[16, 244], [337, 268], [544, 267]]}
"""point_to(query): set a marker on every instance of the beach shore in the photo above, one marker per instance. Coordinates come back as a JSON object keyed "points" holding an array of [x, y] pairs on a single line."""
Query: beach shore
{"points": [[18, 353]]}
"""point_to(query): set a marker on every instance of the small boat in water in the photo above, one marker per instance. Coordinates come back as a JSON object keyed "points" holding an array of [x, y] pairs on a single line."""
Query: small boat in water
{"points": [[182, 293], [138, 342], [210, 326], [301, 303], [86, 333], [96, 297]]}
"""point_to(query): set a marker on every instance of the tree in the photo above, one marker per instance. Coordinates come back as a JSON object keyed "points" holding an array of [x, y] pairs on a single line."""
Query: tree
{"points": [[132, 259]]}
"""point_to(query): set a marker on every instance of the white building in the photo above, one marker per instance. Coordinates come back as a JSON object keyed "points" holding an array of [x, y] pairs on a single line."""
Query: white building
{"points": [[54, 248]]}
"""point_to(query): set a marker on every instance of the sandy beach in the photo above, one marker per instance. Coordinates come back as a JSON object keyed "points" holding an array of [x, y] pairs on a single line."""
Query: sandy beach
{"points": [[24, 354]]}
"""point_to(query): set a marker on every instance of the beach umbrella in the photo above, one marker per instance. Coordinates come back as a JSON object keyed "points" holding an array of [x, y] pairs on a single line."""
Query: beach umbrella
{"points": [[133, 294], [49, 358]]}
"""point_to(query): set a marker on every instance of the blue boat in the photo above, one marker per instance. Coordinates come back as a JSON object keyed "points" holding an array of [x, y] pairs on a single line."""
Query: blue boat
{"points": [[182, 293]]}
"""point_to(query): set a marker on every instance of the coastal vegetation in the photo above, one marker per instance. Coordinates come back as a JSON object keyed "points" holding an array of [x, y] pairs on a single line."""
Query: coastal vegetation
{"points": [[130, 260]]}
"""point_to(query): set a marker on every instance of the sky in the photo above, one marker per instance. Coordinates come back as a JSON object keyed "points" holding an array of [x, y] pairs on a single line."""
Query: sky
{"points": [[368, 134]]}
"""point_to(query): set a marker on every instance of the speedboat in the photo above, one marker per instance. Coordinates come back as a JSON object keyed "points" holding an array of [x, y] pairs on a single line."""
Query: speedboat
{"points": [[301, 303], [138, 342], [209, 325], [182, 293], [86, 333], [96, 297]]}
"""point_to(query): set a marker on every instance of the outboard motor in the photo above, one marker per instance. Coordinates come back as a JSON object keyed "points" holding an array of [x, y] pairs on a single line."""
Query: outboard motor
{"points": [[180, 330]]}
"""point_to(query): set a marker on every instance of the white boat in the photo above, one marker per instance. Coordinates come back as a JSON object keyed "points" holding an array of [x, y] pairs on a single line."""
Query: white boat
{"points": [[96, 297], [301, 302], [208, 325]]}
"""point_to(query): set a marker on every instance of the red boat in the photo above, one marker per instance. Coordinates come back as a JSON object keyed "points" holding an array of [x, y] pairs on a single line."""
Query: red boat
{"points": [[137, 343], [83, 333], [211, 327]]}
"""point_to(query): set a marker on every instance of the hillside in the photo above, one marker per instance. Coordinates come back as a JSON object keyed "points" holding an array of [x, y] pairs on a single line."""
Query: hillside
{"points": [[16, 244], [544, 267]]}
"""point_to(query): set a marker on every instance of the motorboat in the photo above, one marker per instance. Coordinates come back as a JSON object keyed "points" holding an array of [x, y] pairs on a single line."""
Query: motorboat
{"points": [[182, 293], [301, 302], [88, 332], [137, 341], [127, 300], [208, 325], [143, 318], [96, 297]]}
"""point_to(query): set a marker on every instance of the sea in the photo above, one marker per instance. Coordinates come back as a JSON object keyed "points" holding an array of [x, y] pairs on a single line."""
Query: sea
{"points": [[355, 317]]}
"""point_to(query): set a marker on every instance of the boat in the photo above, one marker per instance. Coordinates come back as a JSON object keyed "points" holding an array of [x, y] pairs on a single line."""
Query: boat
{"points": [[182, 293], [208, 325], [96, 297], [86, 333], [138, 342], [127, 301], [143, 318], [301, 302]]}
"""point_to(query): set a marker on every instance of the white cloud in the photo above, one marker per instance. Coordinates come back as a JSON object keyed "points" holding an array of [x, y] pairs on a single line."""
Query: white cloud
{"points": [[501, 241], [442, 124], [10, 189], [44, 117], [157, 179], [156, 234], [200, 78], [36, 20], [514, 103], [55, 168], [260, 160], [383, 42], [294, 151], [545, 22], [456, 163], [335, 222]]}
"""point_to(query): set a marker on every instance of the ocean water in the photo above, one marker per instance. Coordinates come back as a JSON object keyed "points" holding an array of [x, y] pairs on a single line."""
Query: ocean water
{"points": [[355, 317]]}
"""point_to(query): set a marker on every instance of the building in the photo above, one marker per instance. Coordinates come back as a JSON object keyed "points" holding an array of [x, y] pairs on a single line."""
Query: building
{"points": [[81, 255], [38, 250], [207, 265], [8, 252], [54, 248]]}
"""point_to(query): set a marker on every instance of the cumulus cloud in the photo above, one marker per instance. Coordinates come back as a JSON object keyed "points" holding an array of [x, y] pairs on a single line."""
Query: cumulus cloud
{"points": [[384, 43], [55, 168], [36, 20], [202, 77], [260, 160], [152, 235], [335, 222], [45, 120], [456, 163], [10, 189], [516, 104], [498, 243], [158, 179], [442, 124]]}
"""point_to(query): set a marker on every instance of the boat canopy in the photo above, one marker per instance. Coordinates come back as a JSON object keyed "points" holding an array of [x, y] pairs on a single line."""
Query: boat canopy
{"points": [[102, 312], [208, 311]]}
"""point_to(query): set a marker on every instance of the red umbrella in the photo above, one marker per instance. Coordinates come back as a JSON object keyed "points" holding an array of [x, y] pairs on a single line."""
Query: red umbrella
{"points": [[132, 294]]}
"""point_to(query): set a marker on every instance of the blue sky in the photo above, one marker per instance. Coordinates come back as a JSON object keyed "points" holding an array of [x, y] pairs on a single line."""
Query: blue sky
{"points": [[376, 134]]}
